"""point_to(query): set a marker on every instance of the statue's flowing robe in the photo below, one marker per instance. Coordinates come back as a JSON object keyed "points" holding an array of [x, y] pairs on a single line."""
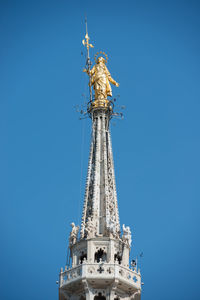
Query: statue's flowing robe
{"points": [[100, 77]]}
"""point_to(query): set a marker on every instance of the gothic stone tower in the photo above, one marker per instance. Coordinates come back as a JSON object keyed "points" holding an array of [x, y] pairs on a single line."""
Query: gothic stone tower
{"points": [[99, 252]]}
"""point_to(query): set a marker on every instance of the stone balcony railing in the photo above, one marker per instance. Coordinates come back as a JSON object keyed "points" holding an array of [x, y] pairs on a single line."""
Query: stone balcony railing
{"points": [[98, 271]]}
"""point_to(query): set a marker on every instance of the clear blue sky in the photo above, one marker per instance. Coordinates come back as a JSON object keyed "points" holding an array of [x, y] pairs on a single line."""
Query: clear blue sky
{"points": [[154, 53]]}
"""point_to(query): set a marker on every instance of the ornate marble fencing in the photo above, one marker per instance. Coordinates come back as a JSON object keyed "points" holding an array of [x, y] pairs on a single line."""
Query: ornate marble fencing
{"points": [[100, 271]]}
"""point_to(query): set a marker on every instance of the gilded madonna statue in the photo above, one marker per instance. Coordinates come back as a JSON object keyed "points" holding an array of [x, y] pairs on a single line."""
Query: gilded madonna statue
{"points": [[100, 79]]}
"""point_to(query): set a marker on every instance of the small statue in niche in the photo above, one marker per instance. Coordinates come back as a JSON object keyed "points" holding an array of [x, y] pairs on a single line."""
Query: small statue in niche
{"points": [[73, 234], [126, 237]]}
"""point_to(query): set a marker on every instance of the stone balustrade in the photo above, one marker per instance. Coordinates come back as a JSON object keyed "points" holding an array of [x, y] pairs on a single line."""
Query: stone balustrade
{"points": [[100, 271]]}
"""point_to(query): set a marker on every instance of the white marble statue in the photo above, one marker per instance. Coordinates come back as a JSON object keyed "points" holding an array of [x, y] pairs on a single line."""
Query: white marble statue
{"points": [[127, 234], [74, 234]]}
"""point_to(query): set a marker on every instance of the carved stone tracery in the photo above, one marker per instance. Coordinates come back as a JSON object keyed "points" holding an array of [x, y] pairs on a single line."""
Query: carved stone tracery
{"points": [[100, 205]]}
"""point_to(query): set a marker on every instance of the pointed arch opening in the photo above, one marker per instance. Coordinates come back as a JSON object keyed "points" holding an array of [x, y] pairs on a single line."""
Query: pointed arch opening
{"points": [[118, 258], [100, 255], [82, 257], [99, 297]]}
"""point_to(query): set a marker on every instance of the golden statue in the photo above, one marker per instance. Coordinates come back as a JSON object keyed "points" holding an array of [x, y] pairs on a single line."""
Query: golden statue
{"points": [[100, 79], [99, 75]]}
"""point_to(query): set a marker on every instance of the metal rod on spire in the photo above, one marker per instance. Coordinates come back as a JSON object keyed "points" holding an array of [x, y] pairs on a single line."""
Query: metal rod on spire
{"points": [[88, 48], [88, 61]]}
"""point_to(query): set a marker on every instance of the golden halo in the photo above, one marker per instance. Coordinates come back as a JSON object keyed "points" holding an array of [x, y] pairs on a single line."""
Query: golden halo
{"points": [[101, 54]]}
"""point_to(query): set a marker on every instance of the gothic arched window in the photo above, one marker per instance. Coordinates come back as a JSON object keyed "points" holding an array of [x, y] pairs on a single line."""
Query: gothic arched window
{"points": [[100, 255], [100, 297], [118, 257], [82, 257]]}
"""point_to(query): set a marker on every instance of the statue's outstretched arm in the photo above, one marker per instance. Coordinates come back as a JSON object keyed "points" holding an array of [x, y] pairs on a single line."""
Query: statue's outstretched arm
{"points": [[110, 78], [113, 81]]}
